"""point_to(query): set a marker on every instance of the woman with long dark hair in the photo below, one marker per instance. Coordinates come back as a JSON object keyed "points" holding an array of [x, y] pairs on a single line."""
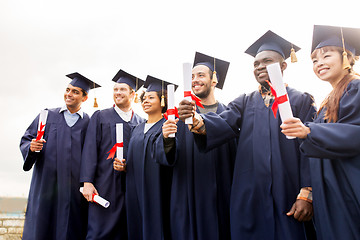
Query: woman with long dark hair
{"points": [[332, 141]]}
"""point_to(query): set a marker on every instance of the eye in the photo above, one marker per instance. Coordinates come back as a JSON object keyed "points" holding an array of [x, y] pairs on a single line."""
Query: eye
{"points": [[315, 61]]}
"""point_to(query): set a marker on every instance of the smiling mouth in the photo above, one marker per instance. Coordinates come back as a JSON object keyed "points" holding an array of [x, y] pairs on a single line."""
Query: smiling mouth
{"points": [[197, 86], [322, 71], [262, 74]]}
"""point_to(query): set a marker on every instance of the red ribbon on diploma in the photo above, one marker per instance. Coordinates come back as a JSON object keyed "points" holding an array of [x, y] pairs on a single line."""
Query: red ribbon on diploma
{"points": [[113, 150], [171, 112], [41, 132], [193, 97], [277, 100]]}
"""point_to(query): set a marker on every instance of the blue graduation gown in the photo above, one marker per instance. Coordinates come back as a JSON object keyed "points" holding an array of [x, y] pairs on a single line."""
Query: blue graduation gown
{"points": [[200, 193], [106, 223], [147, 187], [269, 171], [56, 208], [334, 151]]}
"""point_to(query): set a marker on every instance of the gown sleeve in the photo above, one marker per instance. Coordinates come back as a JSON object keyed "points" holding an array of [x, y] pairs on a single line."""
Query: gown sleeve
{"points": [[338, 140], [29, 157], [223, 127]]}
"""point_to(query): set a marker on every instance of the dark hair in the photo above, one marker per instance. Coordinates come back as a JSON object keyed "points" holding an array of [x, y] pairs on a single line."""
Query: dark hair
{"points": [[332, 101], [84, 93], [159, 94]]}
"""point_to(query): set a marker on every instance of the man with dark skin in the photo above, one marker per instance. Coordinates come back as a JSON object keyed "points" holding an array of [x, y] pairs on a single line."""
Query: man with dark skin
{"points": [[269, 169]]}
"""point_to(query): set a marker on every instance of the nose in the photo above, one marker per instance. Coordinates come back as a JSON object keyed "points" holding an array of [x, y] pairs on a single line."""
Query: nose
{"points": [[319, 64], [261, 66]]}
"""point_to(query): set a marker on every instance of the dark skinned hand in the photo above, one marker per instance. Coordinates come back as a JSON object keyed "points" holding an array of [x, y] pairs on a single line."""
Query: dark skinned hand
{"points": [[301, 210], [186, 109]]}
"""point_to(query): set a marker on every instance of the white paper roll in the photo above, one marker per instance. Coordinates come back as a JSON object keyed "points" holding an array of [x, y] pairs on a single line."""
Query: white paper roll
{"points": [[42, 122], [99, 200], [275, 75], [119, 139], [171, 103], [187, 73]]}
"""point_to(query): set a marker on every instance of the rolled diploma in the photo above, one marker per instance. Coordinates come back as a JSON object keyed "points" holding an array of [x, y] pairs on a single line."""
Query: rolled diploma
{"points": [[275, 76], [99, 200], [119, 139], [171, 103], [42, 121], [187, 85]]}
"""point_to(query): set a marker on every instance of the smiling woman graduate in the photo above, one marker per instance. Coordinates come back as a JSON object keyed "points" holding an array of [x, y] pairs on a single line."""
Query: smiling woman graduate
{"points": [[332, 141], [148, 182]]}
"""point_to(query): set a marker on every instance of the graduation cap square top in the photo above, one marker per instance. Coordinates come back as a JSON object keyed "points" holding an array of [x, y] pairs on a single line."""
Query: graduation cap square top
{"points": [[124, 77], [153, 84], [332, 36], [82, 82], [270, 41], [220, 66]]}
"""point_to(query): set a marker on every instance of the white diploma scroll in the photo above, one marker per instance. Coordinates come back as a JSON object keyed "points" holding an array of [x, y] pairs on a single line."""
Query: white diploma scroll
{"points": [[42, 122], [99, 200], [171, 103], [187, 72], [119, 139], [276, 79]]}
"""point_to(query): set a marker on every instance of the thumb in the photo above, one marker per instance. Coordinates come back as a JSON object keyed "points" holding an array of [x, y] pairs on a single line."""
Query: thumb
{"points": [[292, 210]]}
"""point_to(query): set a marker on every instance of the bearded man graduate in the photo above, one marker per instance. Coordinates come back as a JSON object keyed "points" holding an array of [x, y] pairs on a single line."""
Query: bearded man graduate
{"points": [[97, 171], [201, 184], [269, 172], [55, 208]]}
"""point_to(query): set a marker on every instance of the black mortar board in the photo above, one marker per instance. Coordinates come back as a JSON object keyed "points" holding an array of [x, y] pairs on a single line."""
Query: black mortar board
{"points": [[153, 84], [272, 42], [124, 77], [82, 82], [221, 67], [331, 36]]}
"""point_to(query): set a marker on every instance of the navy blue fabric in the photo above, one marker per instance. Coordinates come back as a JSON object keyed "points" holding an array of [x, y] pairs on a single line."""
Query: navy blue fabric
{"points": [[334, 151], [106, 223], [56, 208], [148, 187], [269, 170], [200, 192]]}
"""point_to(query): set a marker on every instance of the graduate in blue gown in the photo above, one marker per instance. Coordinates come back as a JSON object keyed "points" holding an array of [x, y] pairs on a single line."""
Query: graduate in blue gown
{"points": [[147, 181], [200, 203], [56, 209], [97, 171], [332, 141], [269, 171]]}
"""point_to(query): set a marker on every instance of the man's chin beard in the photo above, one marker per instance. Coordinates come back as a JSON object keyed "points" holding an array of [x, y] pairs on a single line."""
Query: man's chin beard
{"points": [[203, 95]]}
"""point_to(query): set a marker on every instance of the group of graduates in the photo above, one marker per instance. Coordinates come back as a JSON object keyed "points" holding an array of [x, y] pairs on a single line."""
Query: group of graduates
{"points": [[235, 172]]}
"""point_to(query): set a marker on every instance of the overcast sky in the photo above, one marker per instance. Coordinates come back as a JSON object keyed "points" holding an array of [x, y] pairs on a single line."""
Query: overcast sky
{"points": [[42, 41]]}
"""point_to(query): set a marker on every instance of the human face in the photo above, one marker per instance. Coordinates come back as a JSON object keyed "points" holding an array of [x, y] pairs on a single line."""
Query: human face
{"points": [[262, 59], [151, 103], [327, 66], [123, 95], [201, 81], [73, 97]]}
